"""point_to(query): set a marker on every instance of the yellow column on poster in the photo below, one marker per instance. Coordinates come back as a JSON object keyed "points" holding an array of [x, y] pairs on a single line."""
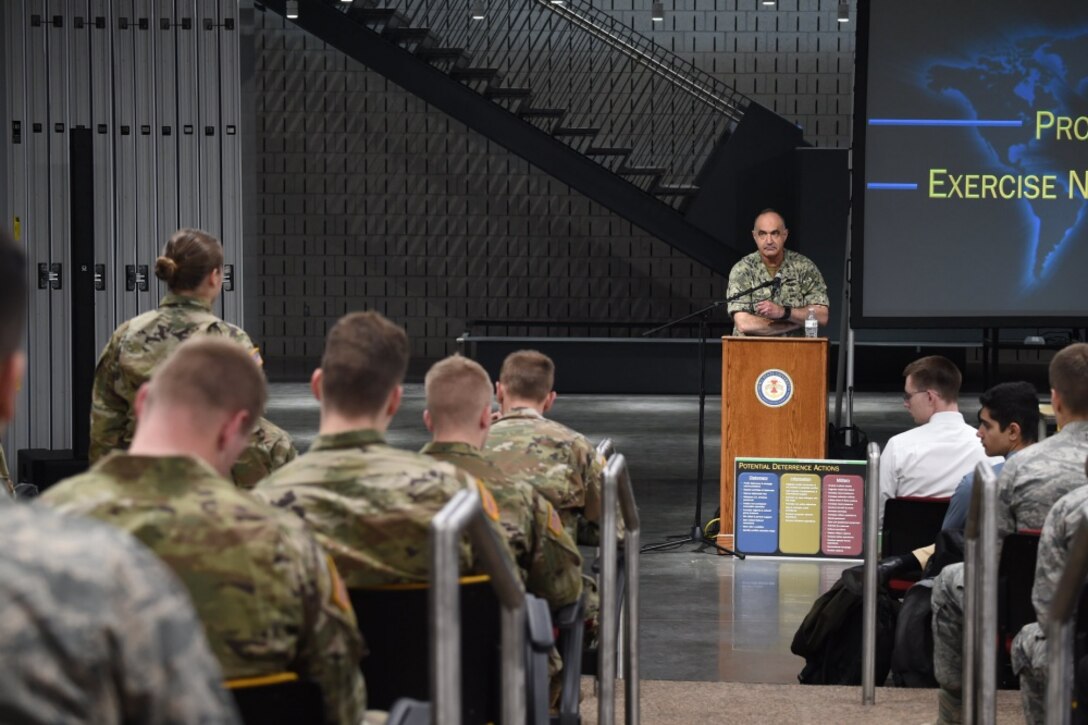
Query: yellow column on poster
{"points": [[799, 523]]}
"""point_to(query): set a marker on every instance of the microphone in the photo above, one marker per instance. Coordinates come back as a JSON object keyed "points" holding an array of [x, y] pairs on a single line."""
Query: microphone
{"points": [[776, 285]]}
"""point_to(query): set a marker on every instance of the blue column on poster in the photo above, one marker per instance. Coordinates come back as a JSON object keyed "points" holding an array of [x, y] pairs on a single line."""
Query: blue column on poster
{"points": [[757, 512]]}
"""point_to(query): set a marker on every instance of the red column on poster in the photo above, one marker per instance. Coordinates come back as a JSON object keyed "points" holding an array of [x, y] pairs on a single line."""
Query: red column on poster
{"points": [[842, 519]]}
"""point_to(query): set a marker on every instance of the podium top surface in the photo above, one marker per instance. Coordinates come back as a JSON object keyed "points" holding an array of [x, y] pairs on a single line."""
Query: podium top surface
{"points": [[774, 338]]}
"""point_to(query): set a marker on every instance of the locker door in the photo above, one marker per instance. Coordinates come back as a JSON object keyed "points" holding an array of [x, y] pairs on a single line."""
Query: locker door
{"points": [[147, 228], [129, 273], [17, 211], [58, 24], [188, 183], [109, 265], [36, 227], [207, 85], [230, 124], [166, 72]]}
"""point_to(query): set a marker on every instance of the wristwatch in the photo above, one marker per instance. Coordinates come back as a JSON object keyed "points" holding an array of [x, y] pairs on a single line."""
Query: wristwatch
{"points": [[786, 312]]}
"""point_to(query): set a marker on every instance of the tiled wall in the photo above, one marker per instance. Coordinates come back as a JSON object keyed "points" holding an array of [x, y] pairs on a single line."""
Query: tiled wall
{"points": [[369, 198]]}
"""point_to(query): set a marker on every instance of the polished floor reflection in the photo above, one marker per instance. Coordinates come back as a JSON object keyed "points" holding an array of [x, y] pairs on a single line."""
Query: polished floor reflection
{"points": [[704, 617]]}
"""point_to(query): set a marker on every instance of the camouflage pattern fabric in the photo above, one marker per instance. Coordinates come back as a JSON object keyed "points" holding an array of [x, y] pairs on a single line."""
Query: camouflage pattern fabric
{"points": [[1029, 484], [804, 284], [1029, 648], [270, 599], [270, 447], [94, 629], [558, 462], [6, 486], [136, 349], [370, 505], [549, 560]]}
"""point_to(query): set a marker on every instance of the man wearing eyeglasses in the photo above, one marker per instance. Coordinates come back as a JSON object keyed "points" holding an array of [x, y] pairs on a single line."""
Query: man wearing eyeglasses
{"points": [[781, 308], [930, 459]]}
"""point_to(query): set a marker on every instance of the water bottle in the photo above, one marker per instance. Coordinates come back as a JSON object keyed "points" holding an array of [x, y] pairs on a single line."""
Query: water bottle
{"points": [[810, 323]]}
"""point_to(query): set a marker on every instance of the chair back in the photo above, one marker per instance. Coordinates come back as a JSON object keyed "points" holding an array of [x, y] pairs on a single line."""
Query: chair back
{"points": [[394, 624], [1015, 578], [279, 699], [910, 523]]}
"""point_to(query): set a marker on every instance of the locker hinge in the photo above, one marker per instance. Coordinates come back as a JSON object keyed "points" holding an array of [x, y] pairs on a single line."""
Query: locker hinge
{"points": [[228, 277], [49, 275], [99, 277], [136, 278]]}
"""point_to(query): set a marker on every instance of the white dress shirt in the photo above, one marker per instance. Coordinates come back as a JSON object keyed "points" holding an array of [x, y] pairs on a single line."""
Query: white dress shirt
{"points": [[930, 460]]}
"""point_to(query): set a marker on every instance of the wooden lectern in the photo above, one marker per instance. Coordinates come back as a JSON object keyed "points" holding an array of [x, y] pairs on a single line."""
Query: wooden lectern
{"points": [[774, 405]]}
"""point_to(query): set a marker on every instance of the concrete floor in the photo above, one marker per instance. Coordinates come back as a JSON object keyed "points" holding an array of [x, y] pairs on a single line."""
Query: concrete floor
{"points": [[704, 617]]}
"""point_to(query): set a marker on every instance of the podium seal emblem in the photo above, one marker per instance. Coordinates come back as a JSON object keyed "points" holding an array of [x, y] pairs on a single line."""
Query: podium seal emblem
{"points": [[774, 388]]}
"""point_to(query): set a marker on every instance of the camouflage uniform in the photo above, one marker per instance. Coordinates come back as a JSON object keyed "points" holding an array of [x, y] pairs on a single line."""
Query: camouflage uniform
{"points": [[269, 448], [136, 349], [94, 629], [558, 462], [1029, 648], [270, 599], [1030, 483], [549, 560], [369, 505], [5, 476], [804, 284]]}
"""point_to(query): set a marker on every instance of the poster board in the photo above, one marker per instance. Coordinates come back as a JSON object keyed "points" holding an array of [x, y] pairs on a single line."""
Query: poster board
{"points": [[799, 507]]}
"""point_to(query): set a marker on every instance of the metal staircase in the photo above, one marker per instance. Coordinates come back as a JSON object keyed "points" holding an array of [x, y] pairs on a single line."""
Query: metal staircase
{"points": [[581, 96]]}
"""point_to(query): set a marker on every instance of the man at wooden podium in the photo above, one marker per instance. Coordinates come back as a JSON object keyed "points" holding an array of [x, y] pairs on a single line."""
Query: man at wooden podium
{"points": [[780, 308]]}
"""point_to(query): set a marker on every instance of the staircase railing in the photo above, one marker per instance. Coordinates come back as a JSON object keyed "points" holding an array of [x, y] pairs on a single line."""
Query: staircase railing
{"points": [[577, 73]]}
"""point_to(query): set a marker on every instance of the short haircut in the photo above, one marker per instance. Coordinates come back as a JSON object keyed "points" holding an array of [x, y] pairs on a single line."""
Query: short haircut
{"points": [[189, 256], [528, 375], [1069, 376], [457, 390], [938, 374], [207, 373], [366, 357], [1014, 403], [12, 295], [769, 210]]}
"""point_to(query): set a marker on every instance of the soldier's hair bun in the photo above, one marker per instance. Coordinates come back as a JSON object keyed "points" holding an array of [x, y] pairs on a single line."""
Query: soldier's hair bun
{"points": [[165, 269]]}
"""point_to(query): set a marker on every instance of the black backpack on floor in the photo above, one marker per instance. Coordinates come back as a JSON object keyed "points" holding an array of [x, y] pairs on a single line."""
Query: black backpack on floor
{"points": [[829, 638]]}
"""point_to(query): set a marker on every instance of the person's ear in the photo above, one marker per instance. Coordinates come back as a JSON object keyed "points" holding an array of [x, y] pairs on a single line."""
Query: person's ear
{"points": [[549, 401], [499, 392], [139, 405], [234, 428], [485, 417], [428, 421], [1014, 431], [392, 405], [315, 383], [11, 374]]}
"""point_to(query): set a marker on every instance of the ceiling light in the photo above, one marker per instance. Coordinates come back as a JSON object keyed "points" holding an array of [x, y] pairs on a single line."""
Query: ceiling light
{"points": [[657, 13], [292, 9], [476, 10], [844, 11], [769, 2]]}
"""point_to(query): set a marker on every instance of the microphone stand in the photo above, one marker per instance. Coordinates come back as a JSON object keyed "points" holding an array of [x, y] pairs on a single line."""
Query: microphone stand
{"points": [[696, 536]]}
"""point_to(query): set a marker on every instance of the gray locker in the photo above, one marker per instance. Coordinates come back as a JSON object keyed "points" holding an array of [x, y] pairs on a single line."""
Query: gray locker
{"points": [[166, 71], [109, 266]]}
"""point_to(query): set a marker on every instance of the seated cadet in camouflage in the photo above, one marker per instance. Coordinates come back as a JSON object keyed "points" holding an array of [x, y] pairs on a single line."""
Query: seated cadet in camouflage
{"points": [[1029, 659], [93, 628], [458, 415], [771, 311], [192, 267], [370, 505], [558, 462], [271, 600], [1029, 485]]}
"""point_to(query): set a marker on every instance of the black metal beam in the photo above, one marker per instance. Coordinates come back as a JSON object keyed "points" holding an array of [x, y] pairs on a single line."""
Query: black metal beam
{"points": [[519, 137]]}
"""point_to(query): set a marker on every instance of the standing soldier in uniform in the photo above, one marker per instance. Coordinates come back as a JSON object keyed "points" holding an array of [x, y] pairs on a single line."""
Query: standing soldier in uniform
{"points": [[84, 609], [270, 599], [558, 462], [775, 311], [369, 504], [192, 267], [458, 415]]}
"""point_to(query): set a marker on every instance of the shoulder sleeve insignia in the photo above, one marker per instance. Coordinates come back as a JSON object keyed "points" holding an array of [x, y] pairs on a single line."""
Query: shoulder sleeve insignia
{"points": [[339, 595], [490, 507], [555, 525]]}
